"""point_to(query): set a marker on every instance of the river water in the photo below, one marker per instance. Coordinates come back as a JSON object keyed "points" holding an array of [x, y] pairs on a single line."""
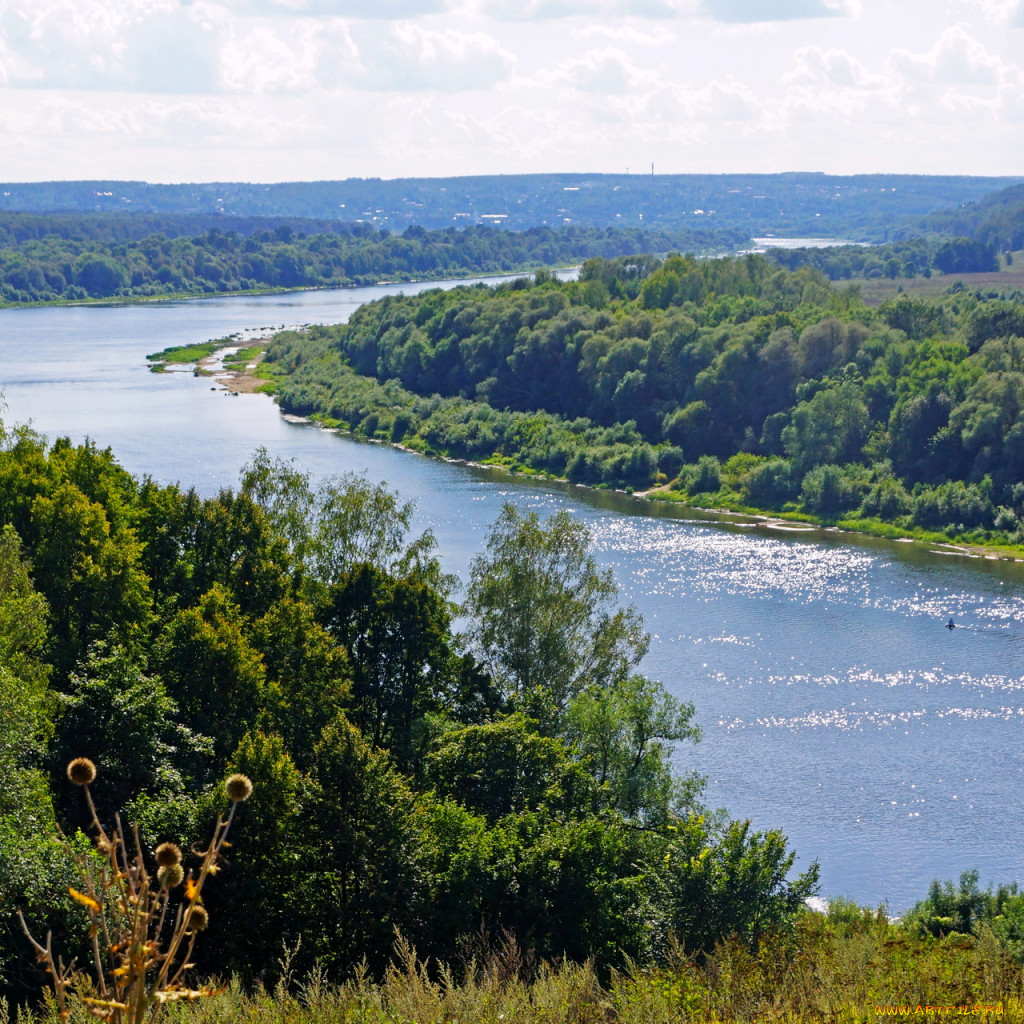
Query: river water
{"points": [[834, 703]]}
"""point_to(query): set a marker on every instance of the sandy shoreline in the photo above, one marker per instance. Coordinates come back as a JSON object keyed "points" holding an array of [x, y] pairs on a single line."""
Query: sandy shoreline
{"points": [[238, 382]]}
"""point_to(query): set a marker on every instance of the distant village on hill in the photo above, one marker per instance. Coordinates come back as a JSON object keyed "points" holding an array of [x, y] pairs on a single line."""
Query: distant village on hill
{"points": [[868, 208]]}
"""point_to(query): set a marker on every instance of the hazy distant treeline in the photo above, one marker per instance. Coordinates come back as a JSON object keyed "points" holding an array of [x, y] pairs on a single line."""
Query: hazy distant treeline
{"points": [[861, 207]]}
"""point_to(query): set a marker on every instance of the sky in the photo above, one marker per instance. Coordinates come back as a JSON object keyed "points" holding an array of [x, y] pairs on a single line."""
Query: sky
{"points": [[299, 90]]}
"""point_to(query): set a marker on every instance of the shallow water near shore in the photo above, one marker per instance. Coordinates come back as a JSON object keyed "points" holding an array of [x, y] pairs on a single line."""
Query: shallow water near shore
{"points": [[834, 703]]}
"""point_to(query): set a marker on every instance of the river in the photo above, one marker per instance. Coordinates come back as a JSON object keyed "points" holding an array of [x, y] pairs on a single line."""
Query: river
{"points": [[834, 703]]}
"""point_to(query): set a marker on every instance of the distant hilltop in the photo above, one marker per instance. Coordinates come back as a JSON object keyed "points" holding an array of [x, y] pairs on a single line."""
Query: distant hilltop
{"points": [[866, 207]]}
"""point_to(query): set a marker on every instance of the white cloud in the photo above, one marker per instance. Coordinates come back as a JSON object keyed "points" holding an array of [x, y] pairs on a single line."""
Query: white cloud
{"points": [[727, 100], [413, 58], [536, 10], [628, 34], [1011, 103], [737, 11], [368, 9], [143, 45], [957, 105], [815, 66], [265, 59], [956, 58], [681, 107], [777, 10], [1002, 12], [275, 89], [607, 71], [162, 46], [148, 122]]}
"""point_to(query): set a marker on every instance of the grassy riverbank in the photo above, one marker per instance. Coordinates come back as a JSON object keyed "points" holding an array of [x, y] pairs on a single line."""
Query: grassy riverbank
{"points": [[849, 965]]}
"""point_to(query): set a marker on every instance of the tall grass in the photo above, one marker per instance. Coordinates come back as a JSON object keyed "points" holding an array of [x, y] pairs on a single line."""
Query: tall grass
{"points": [[849, 966]]}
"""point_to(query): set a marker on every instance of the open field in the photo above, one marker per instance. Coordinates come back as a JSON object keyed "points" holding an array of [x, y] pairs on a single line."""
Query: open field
{"points": [[877, 290]]}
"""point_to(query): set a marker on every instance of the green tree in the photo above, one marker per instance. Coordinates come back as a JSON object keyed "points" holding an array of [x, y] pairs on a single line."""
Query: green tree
{"points": [[624, 735], [361, 852], [90, 571], [23, 625], [100, 275], [543, 616], [125, 722], [31, 863], [307, 672], [342, 523], [830, 427], [735, 882], [269, 864], [827, 491], [212, 671], [506, 767], [396, 632], [949, 908]]}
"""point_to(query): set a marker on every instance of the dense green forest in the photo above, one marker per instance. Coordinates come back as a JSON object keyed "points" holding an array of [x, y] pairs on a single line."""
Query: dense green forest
{"points": [[73, 257], [917, 256], [731, 380], [16, 228], [487, 780], [974, 237], [507, 780], [111, 253]]}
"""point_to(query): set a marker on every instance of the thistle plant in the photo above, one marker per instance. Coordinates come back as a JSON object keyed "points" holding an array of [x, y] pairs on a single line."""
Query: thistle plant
{"points": [[143, 923]]}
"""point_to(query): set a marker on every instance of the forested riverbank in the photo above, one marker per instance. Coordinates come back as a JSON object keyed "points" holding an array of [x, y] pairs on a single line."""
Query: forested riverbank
{"points": [[73, 258], [189, 589], [734, 382]]}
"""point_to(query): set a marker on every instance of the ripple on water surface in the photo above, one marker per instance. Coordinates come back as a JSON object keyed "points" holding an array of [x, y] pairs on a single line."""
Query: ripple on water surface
{"points": [[830, 691]]}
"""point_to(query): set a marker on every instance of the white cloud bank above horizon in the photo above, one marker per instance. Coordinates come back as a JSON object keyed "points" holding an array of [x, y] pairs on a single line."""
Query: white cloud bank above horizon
{"points": [[267, 90]]}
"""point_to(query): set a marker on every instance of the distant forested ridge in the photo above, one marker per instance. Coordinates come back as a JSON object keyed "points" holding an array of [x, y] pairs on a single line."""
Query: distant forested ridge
{"points": [[973, 237], [904, 260], [865, 207], [69, 241], [18, 227], [733, 380], [996, 220], [72, 257]]}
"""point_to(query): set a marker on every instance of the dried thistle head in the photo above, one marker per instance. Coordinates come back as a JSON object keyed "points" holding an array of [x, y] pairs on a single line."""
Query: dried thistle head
{"points": [[198, 919], [81, 771], [167, 854], [170, 875], [238, 788]]}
